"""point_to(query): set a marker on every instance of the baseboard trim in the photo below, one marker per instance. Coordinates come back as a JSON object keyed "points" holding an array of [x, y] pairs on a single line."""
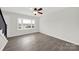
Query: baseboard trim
{"points": [[24, 34], [60, 39]]}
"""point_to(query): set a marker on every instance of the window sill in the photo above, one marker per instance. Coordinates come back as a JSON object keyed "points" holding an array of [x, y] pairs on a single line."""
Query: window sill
{"points": [[26, 29]]}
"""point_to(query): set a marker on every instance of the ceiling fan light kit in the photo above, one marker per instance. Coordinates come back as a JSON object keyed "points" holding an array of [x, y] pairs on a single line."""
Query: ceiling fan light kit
{"points": [[37, 11]]}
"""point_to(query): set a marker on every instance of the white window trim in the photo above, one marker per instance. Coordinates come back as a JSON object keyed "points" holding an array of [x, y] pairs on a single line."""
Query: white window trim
{"points": [[23, 26]]}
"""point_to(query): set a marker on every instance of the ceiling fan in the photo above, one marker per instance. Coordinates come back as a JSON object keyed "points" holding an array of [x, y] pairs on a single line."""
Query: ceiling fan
{"points": [[37, 11]]}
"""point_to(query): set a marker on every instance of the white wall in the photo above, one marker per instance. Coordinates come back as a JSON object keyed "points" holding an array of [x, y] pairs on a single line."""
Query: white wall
{"points": [[63, 24], [11, 20]]}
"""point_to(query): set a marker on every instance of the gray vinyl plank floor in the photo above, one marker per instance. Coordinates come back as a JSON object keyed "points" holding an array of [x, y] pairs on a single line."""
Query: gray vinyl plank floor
{"points": [[38, 42]]}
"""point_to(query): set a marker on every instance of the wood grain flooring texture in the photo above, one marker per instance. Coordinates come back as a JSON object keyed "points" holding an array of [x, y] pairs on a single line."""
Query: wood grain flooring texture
{"points": [[38, 42]]}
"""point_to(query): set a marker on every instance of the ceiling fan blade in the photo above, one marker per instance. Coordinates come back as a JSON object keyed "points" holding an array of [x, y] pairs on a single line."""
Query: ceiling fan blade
{"points": [[40, 9], [35, 9], [40, 12], [34, 14]]}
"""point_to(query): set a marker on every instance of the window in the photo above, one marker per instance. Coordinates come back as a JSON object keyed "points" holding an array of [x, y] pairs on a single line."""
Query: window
{"points": [[25, 24], [33, 23]]}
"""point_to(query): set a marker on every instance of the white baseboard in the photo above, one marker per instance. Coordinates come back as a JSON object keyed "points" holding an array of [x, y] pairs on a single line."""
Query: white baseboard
{"points": [[61, 38]]}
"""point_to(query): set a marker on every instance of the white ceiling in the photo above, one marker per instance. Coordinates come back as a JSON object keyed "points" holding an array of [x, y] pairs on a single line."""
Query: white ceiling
{"points": [[29, 10]]}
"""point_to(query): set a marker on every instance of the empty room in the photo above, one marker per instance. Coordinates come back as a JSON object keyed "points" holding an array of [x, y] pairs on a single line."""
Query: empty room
{"points": [[39, 29]]}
